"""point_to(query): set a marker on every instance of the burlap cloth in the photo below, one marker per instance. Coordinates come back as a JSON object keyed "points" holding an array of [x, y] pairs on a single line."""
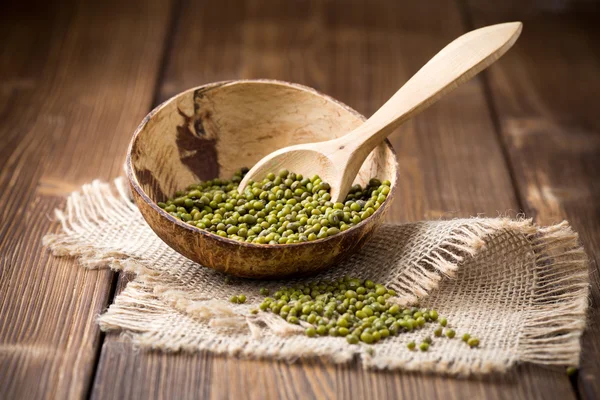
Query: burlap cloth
{"points": [[520, 288]]}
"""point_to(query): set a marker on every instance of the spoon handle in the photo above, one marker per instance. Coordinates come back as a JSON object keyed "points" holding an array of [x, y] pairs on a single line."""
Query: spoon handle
{"points": [[452, 66]]}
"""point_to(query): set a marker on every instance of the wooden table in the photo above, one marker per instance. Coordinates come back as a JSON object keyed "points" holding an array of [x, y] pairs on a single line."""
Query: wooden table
{"points": [[76, 77]]}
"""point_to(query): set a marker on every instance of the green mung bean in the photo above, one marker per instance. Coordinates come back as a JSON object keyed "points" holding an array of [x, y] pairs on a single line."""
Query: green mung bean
{"points": [[283, 208], [356, 309]]}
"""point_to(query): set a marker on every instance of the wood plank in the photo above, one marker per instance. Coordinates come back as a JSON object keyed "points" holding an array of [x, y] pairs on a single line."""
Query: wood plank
{"points": [[546, 100], [72, 92], [452, 165], [187, 376]]}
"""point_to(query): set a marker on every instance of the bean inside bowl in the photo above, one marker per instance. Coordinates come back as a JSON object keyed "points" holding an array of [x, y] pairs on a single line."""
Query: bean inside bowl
{"points": [[216, 129]]}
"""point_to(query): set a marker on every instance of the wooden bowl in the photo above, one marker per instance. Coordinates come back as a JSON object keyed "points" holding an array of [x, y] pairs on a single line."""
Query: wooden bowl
{"points": [[212, 131]]}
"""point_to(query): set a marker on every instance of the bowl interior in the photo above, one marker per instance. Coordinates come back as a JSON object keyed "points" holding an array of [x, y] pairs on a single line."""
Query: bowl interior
{"points": [[216, 129]]}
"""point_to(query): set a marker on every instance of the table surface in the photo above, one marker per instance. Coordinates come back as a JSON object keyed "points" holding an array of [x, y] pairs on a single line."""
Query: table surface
{"points": [[76, 77]]}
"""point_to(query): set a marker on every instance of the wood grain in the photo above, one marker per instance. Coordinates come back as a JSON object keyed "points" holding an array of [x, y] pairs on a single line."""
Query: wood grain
{"points": [[71, 92], [182, 376], [70, 95], [547, 111], [451, 165]]}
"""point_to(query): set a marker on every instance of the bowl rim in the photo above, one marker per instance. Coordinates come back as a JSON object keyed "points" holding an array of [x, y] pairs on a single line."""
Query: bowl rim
{"points": [[226, 241]]}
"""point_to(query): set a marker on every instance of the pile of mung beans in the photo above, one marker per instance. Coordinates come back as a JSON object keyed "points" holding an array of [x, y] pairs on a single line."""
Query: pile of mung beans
{"points": [[357, 309], [283, 208], [288, 208]]}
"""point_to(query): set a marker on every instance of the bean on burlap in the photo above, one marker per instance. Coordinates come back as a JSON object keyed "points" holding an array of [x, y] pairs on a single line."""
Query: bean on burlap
{"points": [[520, 288]]}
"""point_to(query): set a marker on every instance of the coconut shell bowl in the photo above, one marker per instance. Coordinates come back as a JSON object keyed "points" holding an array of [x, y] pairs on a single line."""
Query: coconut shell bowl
{"points": [[214, 130]]}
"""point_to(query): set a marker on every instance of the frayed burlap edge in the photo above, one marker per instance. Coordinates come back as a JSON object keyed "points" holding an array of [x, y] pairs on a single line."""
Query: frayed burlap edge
{"points": [[554, 324]]}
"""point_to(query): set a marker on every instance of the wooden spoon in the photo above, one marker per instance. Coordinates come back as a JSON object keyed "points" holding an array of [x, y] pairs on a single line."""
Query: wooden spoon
{"points": [[338, 161]]}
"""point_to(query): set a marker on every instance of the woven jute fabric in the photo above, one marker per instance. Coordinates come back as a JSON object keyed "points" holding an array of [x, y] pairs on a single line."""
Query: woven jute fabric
{"points": [[520, 288]]}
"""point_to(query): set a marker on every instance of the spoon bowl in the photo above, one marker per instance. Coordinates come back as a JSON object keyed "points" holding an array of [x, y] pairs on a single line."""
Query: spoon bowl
{"points": [[213, 130]]}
